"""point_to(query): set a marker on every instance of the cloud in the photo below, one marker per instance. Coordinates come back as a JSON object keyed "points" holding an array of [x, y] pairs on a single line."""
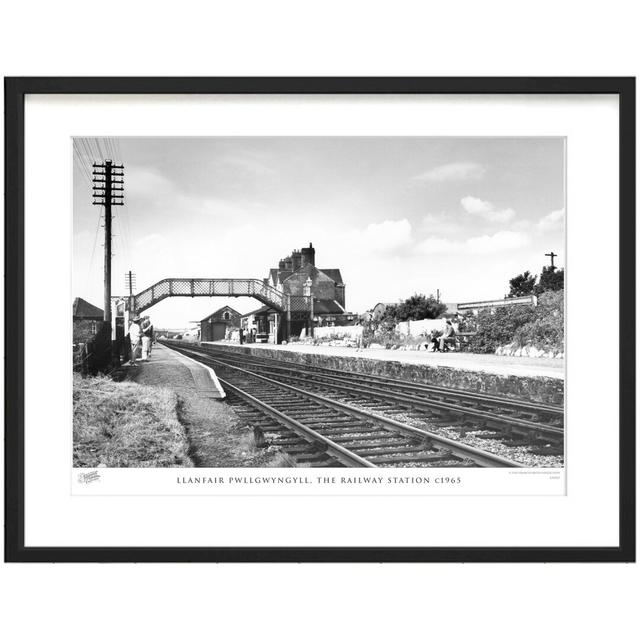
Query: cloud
{"points": [[386, 236], [441, 223], [500, 241], [452, 171], [475, 205], [486, 210], [147, 184], [522, 225], [249, 162], [552, 221], [439, 245], [478, 245], [153, 240]]}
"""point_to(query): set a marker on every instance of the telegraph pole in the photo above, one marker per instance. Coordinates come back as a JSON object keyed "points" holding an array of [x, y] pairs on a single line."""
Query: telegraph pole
{"points": [[130, 282], [107, 190], [552, 256]]}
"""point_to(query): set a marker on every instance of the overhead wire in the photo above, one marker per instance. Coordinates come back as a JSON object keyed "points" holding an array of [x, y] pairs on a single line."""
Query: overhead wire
{"points": [[93, 250], [123, 239], [88, 156], [81, 161], [90, 151], [121, 218], [125, 212]]}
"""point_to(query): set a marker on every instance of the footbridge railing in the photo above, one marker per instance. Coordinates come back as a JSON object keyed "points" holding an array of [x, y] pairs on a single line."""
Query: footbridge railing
{"points": [[207, 287]]}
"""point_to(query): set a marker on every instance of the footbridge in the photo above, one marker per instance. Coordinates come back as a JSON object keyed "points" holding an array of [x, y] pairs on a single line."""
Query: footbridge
{"points": [[208, 287], [288, 309]]}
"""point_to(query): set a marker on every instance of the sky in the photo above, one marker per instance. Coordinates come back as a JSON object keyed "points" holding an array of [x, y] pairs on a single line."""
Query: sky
{"points": [[396, 215]]}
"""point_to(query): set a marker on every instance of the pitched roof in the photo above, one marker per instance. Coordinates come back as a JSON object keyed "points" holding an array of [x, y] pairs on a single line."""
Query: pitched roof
{"points": [[263, 309], [327, 306], [225, 308], [305, 268], [334, 274], [84, 309]]}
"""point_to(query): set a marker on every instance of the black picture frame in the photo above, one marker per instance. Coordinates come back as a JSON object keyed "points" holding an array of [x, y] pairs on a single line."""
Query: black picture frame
{"points": [[15, 91]]}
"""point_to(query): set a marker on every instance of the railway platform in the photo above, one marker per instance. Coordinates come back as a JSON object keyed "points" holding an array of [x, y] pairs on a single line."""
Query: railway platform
{"points": [[216, 439], [536, 379], [170, 368], [489, 363]]}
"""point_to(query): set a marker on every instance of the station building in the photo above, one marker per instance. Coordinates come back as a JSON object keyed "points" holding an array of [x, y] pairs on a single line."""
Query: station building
{"points": [[298, 276], [87, 320], [216, 325]]}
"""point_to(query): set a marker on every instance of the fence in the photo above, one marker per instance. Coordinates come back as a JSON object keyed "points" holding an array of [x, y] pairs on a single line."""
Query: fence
{"points": [[338, 333], [95, 354], [422, 327]]}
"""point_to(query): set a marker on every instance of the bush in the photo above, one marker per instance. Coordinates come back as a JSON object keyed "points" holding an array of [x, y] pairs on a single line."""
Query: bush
{"points": [[546, 331], [498, 328], [541, 326]]}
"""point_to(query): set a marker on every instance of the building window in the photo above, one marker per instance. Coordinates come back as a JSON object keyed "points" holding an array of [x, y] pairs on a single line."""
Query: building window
{"points": [[226, 315], [94, 327]]}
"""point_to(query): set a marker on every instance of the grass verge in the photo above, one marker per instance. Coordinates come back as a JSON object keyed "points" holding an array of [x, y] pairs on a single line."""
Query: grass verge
{"points": [[124, 424]]}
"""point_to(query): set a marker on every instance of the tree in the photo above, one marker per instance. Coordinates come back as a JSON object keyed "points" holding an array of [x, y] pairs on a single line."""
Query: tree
{"points": [[551, 279], [522, 285], [419, 307]]}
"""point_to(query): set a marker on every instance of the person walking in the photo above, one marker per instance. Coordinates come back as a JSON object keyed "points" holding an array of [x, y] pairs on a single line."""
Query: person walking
{"points": [[134, 339]]}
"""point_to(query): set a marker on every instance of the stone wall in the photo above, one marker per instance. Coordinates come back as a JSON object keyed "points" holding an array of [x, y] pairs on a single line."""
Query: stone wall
{"points": [[84, 330], [533, 389]]}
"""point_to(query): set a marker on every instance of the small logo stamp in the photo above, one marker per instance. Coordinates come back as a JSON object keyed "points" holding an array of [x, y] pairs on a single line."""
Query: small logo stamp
{"points": [[90, 476]]}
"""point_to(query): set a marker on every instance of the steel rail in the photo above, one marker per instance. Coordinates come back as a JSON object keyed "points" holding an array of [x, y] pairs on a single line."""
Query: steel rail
{"points": [[483, 458], [423, 403], [456, 393], [417, 402], [333, 448], [404, 384]]}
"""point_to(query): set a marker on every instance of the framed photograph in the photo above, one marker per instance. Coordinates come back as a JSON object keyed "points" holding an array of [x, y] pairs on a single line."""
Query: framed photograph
{"points": [[320, 319]]}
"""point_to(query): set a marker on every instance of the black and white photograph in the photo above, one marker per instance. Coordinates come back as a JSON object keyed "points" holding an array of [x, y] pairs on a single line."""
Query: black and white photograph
{"points": [[375, 320], [327, 302], [320, 319]]}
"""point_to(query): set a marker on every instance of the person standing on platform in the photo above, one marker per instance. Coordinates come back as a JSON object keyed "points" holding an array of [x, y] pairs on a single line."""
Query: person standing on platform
{"points": [[152, 338], [134, 339], [147, 331], [360, 337]]}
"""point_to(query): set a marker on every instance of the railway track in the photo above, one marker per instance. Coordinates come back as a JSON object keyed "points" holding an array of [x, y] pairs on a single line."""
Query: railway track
{"points": [[324, 417]]}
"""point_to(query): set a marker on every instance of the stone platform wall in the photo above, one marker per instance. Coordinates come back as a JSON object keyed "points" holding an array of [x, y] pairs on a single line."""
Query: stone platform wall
{"points": [[533, 389]]}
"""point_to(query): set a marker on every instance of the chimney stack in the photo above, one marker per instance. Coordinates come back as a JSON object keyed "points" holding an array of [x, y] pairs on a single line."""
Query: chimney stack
{"points": [[296, 257], [308, 255]]}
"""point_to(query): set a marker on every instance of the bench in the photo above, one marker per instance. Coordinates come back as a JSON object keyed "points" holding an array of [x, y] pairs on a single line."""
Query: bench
{"points": [[458, 341], [462, 339]]}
